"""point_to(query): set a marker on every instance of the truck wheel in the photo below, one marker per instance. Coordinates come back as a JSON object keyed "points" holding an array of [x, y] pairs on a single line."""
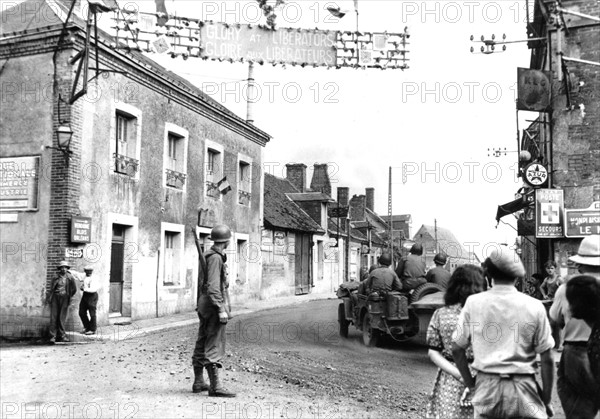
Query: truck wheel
{"points": [[370, 336], [342, 320], [425, 289]]}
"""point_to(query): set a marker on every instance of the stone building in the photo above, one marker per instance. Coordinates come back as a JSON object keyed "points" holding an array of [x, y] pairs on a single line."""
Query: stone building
{"points": [[150, 158], [565, 139]]}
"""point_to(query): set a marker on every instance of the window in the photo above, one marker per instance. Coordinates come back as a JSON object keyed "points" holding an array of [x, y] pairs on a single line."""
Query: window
{"points": [[175, 160], [126, 143], [244, 185], [172, 257], [213, 169]]}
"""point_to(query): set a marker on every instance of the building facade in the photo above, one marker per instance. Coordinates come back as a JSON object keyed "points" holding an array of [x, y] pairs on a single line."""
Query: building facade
{"points": [[148, 165], [565, 138]]}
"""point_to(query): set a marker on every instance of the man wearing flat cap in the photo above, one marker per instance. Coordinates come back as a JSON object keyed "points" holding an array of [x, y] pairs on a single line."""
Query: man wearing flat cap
{"points": [[507, 330], [576, 385], [62, 288], [89, 299]]}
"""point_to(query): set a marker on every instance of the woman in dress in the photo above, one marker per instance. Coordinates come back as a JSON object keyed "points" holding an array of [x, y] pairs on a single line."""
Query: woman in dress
{"points": [[449, 387]]}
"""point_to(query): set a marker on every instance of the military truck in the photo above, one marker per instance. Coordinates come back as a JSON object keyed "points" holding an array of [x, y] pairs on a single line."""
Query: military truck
{"points": [[399, 315]]}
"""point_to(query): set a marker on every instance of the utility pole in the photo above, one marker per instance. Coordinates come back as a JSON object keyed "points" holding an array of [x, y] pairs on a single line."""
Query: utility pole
{"points": [[435, 232], [390, 213]]}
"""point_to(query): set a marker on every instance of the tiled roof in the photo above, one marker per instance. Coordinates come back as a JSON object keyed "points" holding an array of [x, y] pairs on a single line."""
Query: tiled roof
{"points": [[281, 212], [310, 196]]}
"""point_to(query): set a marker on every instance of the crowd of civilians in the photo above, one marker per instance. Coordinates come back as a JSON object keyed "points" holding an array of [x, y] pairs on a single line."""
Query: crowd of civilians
{"points": [[488, 343]]}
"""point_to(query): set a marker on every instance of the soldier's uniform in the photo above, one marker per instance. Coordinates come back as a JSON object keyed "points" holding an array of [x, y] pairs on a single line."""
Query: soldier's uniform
{"points": [[210, 346]]}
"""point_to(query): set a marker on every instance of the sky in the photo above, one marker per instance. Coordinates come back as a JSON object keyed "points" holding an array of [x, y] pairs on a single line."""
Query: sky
{"points": [[433, 123]]}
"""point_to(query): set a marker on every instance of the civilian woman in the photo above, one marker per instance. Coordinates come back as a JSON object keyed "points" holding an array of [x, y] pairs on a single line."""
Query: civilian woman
{"points": [[449, 387]]}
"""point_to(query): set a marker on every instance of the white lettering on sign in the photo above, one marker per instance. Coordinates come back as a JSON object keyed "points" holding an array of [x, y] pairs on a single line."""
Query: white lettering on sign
{"points": [[71, 252]]}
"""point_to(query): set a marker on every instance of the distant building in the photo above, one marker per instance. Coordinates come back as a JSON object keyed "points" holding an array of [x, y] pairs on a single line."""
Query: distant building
{"points": [[435, 240]]}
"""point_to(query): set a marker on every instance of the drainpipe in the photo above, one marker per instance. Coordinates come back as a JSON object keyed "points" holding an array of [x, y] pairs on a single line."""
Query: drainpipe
{"points": [[157, 277]]}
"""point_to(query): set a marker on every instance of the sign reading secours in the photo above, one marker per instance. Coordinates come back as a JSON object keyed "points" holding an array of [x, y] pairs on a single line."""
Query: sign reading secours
{"points": [[233, 42], [549, 213]]}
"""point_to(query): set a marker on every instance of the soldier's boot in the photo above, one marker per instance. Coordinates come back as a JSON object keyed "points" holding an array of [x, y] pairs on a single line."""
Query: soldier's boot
{"points": [[199, 383], [216, 390]]}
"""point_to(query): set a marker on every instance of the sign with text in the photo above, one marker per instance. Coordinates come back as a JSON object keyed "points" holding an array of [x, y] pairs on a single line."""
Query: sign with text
{"points": [[533, 90], [81, 229], [235, 42], [73, 252], [549, 213], [583, 222], [19, 177], [189, 37]]}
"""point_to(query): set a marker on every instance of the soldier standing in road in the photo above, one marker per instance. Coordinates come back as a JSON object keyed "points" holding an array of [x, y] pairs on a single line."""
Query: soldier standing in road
{"points": [[439, 275], [62, 288], [213, 313], [89, 300]]}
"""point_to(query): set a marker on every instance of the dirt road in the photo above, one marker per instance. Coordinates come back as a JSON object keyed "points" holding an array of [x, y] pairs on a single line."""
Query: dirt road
{"points": [[287, 362]]}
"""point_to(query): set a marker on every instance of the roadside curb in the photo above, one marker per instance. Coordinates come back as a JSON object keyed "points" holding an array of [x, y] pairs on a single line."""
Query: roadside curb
{"points": [[121, 332]]}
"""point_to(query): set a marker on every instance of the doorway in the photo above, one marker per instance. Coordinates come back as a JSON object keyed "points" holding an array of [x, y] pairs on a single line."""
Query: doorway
{"points": [[117, 256]]}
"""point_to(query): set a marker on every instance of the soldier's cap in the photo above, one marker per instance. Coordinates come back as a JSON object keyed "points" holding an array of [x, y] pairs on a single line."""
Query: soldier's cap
{"points": [[507, 262], [64, 263], [589, 251], [88, 268]]}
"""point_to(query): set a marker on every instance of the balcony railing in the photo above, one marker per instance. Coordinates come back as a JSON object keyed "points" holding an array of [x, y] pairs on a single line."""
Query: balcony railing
{"points": [[126, 165], [175, 179]]}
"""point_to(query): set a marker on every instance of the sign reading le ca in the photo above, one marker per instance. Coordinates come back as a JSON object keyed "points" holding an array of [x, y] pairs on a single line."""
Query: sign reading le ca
{"points": [[583, 222]]}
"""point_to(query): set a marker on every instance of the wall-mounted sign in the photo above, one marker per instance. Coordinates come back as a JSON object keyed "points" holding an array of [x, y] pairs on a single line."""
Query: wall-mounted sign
{"points": [[533, 90], [19, 177], [279, 238], [583, 222], [81, 229], [549, 213], [535, 175], [73, 252]]}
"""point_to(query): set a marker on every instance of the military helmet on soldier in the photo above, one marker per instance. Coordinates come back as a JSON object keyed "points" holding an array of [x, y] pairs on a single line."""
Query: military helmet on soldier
{"points": [[385, 259], [220, 234], [440, 259]]}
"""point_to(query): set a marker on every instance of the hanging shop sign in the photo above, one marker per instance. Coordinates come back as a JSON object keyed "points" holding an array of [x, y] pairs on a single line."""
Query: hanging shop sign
{"points": [[583, 222], [187, 37], [81, 229], [19, 178], [536, 175], [533, 90], [549, 213]]}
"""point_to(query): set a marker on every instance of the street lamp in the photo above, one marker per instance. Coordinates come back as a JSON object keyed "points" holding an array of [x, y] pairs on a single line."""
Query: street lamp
{"points": [[64, 134]]}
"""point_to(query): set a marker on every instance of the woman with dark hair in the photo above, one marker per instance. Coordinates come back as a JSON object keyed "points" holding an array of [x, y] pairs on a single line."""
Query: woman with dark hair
{"points": [[449, 387], [583, 294]]}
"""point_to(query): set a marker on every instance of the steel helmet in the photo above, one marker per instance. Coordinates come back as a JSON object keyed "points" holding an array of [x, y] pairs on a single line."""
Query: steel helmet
{"points": [[440, 259], [220, 234], [385, 259]]}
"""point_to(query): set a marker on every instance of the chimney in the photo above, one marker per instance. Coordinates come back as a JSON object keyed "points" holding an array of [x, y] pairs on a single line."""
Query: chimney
{"points": [[296, 175], [357, 208], [320, 179], [370, 193], [342, 196]]}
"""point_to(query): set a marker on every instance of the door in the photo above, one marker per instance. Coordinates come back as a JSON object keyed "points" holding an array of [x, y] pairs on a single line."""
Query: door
{"points": [[117, 253], [303, 247]]}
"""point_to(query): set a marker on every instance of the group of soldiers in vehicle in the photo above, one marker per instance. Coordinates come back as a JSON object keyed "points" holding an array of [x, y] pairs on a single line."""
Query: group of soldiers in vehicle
{"points": [[409, 274]]}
